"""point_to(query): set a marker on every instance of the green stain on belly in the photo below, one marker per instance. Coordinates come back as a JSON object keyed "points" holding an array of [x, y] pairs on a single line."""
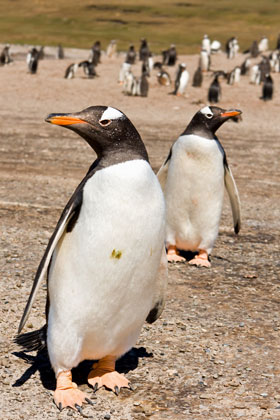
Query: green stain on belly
{"points": [[116, 254]]}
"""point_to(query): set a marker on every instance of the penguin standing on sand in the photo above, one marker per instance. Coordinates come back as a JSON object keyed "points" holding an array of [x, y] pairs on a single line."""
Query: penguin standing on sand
{"points": [[181, 80], [214, 91], [60, 52], [105, 262], [144, 51], [71, 71], [204, 60], [32, 60], [193, 178], [163, 78], [197, 77], [130, 55], [5, 57], [267, 88], [89, 68]]}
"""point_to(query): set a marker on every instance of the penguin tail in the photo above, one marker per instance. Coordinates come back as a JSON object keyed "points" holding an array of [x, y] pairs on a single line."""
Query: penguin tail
{"points": [[34, 340]]}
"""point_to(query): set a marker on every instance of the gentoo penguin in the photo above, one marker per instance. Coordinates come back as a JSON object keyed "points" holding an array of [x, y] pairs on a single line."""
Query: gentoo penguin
{"points": [[193, 179], [263, 44], [204, 60], [5, 57], [144, 50], [89, 68], [181, 80], [206, 44], [143, 84], [105, 262], [267, 88], [125, 67], [130, 55], [197, 77], [163, 78], [255, 75], [129, 82], [32, 60], [171, 56], [215, 46], [60, 52], [112, 48], [264, 67], [254, 50], [214, 91], [245, 66], [95, 54], [71, 70], [232, 47], [234, 76]]}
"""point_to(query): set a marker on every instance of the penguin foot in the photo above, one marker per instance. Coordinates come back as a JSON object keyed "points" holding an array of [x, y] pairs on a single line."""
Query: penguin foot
{"points": [[67, 393], [201, 260], [173, 255], [104, 374]]}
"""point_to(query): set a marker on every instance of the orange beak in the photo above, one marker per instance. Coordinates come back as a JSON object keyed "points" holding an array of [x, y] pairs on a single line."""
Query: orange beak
{"points": [[231, 113], [64, 119]]}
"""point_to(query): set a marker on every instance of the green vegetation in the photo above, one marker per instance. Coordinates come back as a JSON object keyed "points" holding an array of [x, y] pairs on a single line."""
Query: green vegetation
{"points": [[183, 22]]}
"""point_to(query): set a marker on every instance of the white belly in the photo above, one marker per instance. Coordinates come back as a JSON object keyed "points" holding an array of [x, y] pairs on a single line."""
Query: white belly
{"points": [[194, 193], [102, 277]]}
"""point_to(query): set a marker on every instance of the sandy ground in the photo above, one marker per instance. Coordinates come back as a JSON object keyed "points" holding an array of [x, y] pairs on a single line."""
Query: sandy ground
{"points": [[214, 353]]}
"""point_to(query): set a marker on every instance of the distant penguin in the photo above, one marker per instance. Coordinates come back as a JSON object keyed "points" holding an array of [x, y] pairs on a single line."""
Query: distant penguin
{"points": [[164, 54], [71, 71], [267, 88], [232, 47], [95, 54], [234, 76], [89, 68], [144, 50], [204, 61], [245, 66], [111, 49], [274, 60], [125, 67], [128, 84], [181, 80], [254, 50], [143, 85], [5, 57], [197, 78], [263, 44], [163, 78], [171, 56], [105, 262], [32, 60], [130, 55], [193, 179], [41, 53], [206, 44], [264, 67], [255, 75], [214, 92], [215, 47], [60, 52]]}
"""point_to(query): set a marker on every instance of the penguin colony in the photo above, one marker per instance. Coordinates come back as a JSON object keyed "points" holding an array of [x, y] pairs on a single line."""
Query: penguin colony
{"points": [[122, 166]]}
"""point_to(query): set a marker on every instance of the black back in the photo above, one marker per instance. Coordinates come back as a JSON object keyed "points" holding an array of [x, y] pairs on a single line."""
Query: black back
{"points": [[197, 77], [214, 91], [267, 89]]}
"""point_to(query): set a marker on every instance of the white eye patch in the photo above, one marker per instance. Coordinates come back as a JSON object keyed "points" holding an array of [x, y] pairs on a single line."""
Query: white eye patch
{"points": [[206, 111], [111, 114]]}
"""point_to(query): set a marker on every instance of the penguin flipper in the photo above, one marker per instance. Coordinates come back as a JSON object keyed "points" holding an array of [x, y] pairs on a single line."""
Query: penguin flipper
{"points": [[233, 197], [163, 171], [70, 213], [161, 284]]}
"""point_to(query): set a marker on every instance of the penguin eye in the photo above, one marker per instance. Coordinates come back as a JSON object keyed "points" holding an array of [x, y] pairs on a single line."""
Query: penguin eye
{"points": [[105, 123], [209, 115]]}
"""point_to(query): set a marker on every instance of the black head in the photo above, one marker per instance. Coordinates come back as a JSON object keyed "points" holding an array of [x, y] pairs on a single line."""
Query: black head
{"points": [[207, 121], [107, 130]]}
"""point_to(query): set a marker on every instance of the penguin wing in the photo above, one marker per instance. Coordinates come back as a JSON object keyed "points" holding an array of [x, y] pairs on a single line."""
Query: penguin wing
{"points": [[65, 223], [233, 197], [163, 171], [161, 284]]}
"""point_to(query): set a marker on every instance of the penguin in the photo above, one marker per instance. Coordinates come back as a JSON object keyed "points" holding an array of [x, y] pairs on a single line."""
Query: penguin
{"points": [[95, 54], [234, 76], [111, 49], [263, 44], [181, 81], [254, 50], [232, 47], [206, 44], [163, 78], [32, 60], [144, 50], [214, 91], [205, 60], [88, 68], [193, 178], [129, 82], [60, 52], [125, 67], [255, 75], [267, 88], [264, 67], [106, 261], [245, 66], [5, 57], [41, 53], [171, 56], [130, 55], [143, 84], [215, 47], [71, 71], [197, 78]]}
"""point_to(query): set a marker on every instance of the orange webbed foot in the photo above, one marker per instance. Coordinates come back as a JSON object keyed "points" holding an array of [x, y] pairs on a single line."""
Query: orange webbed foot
{"points": [[201, 260], [173, 255], [104, 374], [67, 393]]}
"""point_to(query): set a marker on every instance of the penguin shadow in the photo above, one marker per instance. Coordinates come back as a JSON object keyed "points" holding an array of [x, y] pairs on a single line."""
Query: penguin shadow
{"points": [[40, 362], [188, 255]]}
